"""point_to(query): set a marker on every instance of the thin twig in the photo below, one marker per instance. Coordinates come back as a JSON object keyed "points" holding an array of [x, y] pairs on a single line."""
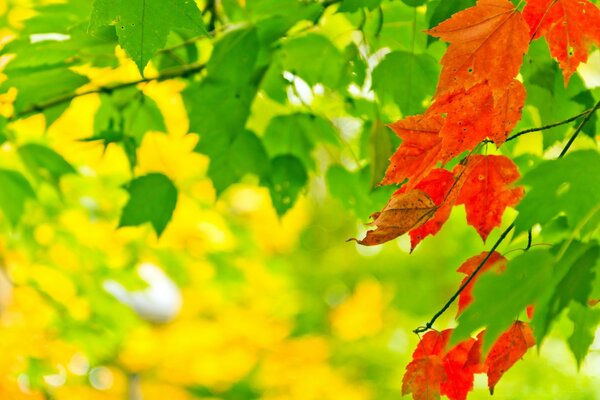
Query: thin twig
{"points": [[579, 128], [553, 125]]}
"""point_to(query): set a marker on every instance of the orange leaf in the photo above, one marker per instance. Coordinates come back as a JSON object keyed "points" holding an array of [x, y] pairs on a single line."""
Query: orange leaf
{"points": [[496, 261], [508, 349], [570, 28], [436, 185], [477, 113], [418, 153], [404, 211], [426, 372], [468, 119], [433, 371], [487, 42], [423, 377], [485, 192]]}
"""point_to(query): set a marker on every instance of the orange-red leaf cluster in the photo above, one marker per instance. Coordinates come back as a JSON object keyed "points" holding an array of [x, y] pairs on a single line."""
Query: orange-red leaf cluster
{"points": [[436, 370]]}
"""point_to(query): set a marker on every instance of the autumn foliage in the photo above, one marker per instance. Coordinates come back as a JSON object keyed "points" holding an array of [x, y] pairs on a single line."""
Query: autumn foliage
{"points": [[478, 100]]}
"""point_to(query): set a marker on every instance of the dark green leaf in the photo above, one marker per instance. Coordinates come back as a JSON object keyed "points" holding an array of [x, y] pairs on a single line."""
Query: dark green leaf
{"points": [[152, 198], [355, 5], [287, 177], [143, 25], [44, 162], [572, 279], [245, 155], [15, 190]]}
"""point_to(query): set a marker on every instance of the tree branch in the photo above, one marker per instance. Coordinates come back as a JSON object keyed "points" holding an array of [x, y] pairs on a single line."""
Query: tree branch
{"points": [[182, 72], [452, 299]]}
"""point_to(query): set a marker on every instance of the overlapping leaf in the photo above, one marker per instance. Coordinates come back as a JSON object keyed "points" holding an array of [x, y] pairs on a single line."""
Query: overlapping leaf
{"points": [[437, 185], [419, 152]]}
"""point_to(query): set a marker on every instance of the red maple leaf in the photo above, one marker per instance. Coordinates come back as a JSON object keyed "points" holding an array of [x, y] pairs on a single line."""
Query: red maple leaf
{"points": [[569, 26], [425, 372], [496, 261], [478, 113], [419, 151], [460, 379], [487, 43], [437, 185], [485, 190], [508, 349]]}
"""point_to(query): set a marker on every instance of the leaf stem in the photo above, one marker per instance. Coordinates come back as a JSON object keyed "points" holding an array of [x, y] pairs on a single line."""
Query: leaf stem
{"points": [[183, 71], [452, 299]]}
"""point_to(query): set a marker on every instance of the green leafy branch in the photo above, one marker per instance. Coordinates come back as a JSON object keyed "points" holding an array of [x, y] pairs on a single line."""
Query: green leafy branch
{"points": [[179, 72]]}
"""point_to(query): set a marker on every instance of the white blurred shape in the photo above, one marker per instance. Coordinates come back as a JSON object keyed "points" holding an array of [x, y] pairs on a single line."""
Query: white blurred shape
{"points": [[44, 37], [158, 303]]}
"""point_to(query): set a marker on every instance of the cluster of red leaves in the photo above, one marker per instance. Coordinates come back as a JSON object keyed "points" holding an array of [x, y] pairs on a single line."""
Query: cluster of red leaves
{"points": [[436, 370], [477, 98]]}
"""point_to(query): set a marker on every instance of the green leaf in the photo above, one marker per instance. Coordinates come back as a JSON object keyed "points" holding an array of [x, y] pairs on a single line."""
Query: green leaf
{"points": [[355, 5], [406, 80], [219, 105], [43, 162], [585, 321], [499, 299], [414, 3], [571, 281], [152, 198], [562, 185], [314, 59], [286, 179], [246, 155], [297, 134], [15, 191], [143, 25], [353, 190]]}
